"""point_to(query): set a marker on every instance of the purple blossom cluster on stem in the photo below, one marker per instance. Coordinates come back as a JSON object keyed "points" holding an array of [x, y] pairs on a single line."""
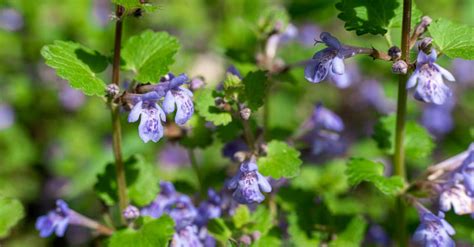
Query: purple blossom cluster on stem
{"points": [[248, 184], [428, 78], [172, 96]]}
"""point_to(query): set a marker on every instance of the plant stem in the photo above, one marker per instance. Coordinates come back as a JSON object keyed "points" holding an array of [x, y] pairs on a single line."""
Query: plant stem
{"points": [[116, 127], [194, 164], [399, 156]]}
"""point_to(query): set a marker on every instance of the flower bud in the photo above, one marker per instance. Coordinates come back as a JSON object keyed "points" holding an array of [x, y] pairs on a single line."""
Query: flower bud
{"points": [[196, 83], [245, 113], [400, 67], [425, 45], [245, 239], [395, 53], [219, 102], [256, 235], [131, 213], [112, 90]]}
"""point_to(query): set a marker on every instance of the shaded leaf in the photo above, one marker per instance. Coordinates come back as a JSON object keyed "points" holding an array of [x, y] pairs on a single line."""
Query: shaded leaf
{"points": [[11, 211], [281, 161], [453, 39], [149, 55], [76, 64]]}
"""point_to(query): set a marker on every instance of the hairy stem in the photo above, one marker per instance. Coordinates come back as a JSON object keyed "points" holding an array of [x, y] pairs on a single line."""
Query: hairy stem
{"points": [[399, 156], [116, 127]]}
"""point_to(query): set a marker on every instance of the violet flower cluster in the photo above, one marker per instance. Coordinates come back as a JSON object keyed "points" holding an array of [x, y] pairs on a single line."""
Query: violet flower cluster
{"points": [[457, 192], [248, 184], [429, 75], [329, 62], [326, 128], [173, 96], [433, 230], [190, 223]]}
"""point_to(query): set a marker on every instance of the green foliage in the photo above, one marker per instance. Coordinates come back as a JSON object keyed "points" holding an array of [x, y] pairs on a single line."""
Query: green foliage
{"points": [[153, 233], [11, 211], [271, 18], [199, 136], [131, 5], [256, 85], [418, 142], [297, 235], [360, 169], [266, 241], [141, 183], [352, 235], [453, 39], [76, 64], [374, 16], [149, 55], [281, 161], [204, 104], [329, 178], [261, 220], [241, 216], [219, 230], [367, 16]]}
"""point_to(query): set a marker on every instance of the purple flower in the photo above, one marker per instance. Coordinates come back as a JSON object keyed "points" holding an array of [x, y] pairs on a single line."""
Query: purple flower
{"points": [[467, 171], [233, 70], [329, 62], [434, 231], [131, 212], [181, 97], [456, 197], [55, 221], [7, 116], [167, 196], [152, 115], [10, 20], [186, 237], [327, 143], [248, 184], [306, 34], [231, 148], [325, 119], [173, 155], [182, 211], [429, 75], [437, 118], [209, 209], [372, 93], [463, 70], [71, 98]]}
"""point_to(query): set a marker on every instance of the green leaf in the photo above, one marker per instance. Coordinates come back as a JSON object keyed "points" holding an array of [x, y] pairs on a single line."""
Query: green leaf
{"points": [[453, 39], [367, 16], [241, 216], [360, 169], [153, 233], [205, 106], [11, 211], [256, 85], [76, 64], [261, 220], [281, 161], [297, 235], [219, 230], [352, 235], [199, 136], [396, 22], [266, 241], [149, 55], [418, 142], [327, 178], [142, 186]]}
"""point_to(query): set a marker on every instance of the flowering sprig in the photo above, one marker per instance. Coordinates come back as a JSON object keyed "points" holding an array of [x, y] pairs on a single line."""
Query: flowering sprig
{"points": [[59, 219], [248, 184]]}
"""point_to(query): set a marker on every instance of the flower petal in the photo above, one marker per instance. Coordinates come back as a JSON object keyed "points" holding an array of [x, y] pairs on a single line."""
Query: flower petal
{"points": [[338, 65], [445, 73], [185, 107], [341, 81], [263, 183], [412, 80], [169, 102], [135, 112]]}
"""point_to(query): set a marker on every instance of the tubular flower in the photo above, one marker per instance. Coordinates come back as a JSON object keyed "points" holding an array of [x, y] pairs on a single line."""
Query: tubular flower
{"points": [[181, 97], [248, 184], [329, 62], [152, 115], [429, 75], [55, 221], [434, 231]]}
